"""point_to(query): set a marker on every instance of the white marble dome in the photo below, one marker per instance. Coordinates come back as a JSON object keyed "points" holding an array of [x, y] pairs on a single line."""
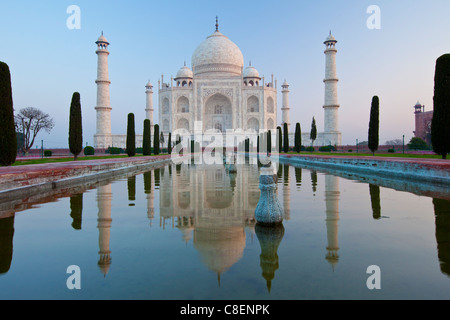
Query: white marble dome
{"points": [[217, 54], [185, 72], [251, 72]]}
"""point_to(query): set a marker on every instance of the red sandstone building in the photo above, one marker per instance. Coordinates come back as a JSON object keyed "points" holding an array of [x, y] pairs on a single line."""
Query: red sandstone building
{"points": [[423, 123]]}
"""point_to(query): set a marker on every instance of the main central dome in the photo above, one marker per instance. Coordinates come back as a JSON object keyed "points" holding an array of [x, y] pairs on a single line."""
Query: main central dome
{"points": [[217, 54]]}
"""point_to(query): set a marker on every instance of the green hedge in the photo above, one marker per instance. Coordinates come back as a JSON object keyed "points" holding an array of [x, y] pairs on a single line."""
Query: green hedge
{"points": [[89, 151]]}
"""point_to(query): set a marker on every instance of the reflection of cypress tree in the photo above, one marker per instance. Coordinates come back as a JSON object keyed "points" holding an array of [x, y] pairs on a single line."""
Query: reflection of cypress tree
{"points": [[314, 180], [157, 177], [298, 177], [132, 188], [375, 200], [76, 210], [6, 243], [286, 174], [147, 182], [178, 168], [269, 238], [442, 215], [280, 171]]}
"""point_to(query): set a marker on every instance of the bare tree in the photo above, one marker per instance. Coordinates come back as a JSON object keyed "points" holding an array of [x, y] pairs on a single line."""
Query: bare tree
{"points": [[395, 142], [30, 121]]}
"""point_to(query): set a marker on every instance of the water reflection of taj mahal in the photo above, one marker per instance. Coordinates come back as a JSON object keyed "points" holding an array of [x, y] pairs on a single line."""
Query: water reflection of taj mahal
{"points": [[216, 211]]}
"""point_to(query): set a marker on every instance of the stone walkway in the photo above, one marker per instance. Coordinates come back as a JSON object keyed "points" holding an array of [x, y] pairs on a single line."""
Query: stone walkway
{"points": [[28, 175]]}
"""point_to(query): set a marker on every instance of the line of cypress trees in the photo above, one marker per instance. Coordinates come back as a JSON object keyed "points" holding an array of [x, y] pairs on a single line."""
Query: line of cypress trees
{"points": [[285, 138], [298, 138], [440, 124], [131, 136], [75, 126], [8, 139], [374, 124], [146, 140], [156, 149]]}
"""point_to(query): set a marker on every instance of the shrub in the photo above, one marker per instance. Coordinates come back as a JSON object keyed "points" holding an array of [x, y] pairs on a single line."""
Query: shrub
{"points": [[418, 144], [114, 150], [48, 153], [310, 149], [89, 151], [327, 148], [391, 150], [350, 150]]}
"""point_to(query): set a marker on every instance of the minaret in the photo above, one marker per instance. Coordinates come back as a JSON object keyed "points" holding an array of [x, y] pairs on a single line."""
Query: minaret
{"points": [[102, 138], [285, 108], [149, 105], [104, 197], [331, 106]]}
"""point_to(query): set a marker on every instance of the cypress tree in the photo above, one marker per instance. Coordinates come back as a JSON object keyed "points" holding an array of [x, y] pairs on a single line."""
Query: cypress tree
{"points": [[313, 133], [257, 144], [298, 137], [8, 139], [169, 144], [75, 126], [440, 124], [131, 136], [280, 139], [156, 149], [269, 142], [285, 138], [374, 124], [146, 142]]}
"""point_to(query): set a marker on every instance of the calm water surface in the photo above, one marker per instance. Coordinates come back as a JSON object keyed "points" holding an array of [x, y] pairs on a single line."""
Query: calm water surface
{"points": [[188, 232]]}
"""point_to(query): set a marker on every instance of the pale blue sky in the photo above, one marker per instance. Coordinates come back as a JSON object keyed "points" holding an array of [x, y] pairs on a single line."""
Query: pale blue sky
{"points": [[49, 62]]}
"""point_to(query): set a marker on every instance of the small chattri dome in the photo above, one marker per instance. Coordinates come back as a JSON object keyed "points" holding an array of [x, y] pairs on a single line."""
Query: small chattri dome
{"points": [[251, 72], [330, 38], [102, 39], [184, 72], [149, 84]]}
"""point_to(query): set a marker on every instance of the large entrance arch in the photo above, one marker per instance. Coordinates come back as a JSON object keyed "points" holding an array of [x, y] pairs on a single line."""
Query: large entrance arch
{"points": [[218, 113]]}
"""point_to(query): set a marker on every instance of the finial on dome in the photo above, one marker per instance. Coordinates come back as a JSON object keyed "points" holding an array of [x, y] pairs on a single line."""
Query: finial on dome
{"points": [[250, 63], [217, 23]]}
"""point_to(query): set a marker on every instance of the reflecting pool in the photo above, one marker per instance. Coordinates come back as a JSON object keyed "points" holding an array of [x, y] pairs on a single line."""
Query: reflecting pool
{"points": [[188, 231]]}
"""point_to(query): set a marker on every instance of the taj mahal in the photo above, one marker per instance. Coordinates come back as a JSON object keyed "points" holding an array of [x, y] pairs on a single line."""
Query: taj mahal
{"points": [[220, 94]]}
